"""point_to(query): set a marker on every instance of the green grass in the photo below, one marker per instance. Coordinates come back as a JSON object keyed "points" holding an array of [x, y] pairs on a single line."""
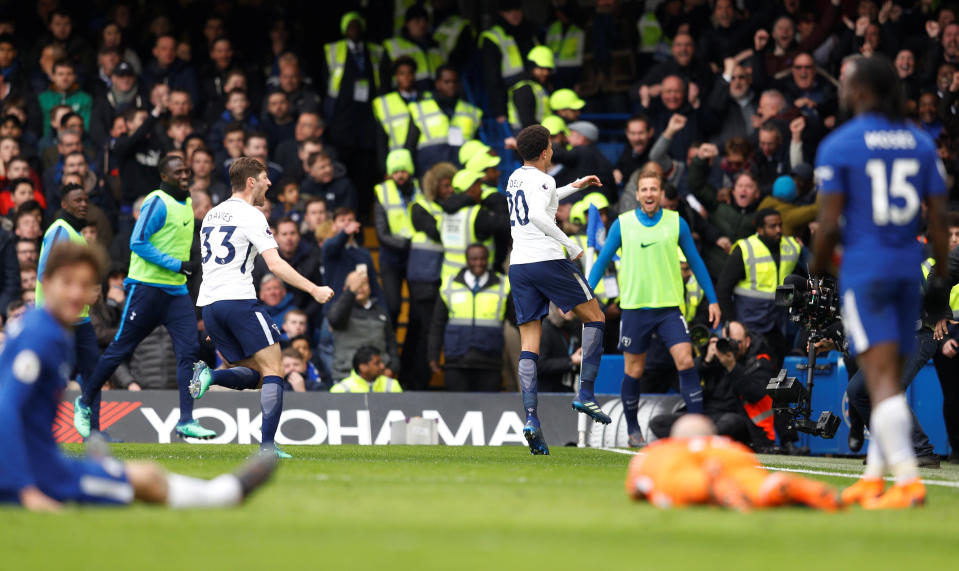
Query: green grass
{"points": [[385, 508]]}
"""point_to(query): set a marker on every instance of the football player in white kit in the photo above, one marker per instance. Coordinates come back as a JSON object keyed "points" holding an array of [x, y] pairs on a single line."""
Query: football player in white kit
{"points": [[541, 271], [233, 233]]}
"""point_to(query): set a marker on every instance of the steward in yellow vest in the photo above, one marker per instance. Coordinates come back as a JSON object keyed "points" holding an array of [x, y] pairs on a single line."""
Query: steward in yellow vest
{"points": [[528, 98], [392, 110], [394, 230], [443, 122], [353, 80], [455, 36], [468, 325], [566, 38], [502, 47], [367, 375], [465, 220], [757, 265], [415, 42], [156, 293]]}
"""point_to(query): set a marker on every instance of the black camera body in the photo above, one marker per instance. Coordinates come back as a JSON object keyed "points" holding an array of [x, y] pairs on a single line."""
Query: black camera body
{"points": [[814, 304], [787, 391]]}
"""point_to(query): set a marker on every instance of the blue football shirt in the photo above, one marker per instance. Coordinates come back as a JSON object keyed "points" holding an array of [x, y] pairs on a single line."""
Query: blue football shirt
{"points": [[885, 170]]}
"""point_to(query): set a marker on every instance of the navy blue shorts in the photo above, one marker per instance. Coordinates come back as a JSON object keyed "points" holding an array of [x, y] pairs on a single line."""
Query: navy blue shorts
{"points": [[240, 327], [536, 284], [83, 481], [636, 328], [880, 311]]}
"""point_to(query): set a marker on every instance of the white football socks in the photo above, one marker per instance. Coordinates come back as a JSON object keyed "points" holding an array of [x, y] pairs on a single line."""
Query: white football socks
{"points": [[187, 492], [875, 463], [891, 426]]}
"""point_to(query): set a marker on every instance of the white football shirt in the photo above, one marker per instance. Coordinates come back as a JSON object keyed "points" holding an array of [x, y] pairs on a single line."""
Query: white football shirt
{"points": [[533, 201], [231, 236]]}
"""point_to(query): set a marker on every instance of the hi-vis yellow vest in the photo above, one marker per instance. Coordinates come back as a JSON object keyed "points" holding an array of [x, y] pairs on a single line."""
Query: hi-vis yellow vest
{"points": [[762, 278], [74, 237], [336, 64], [649, 275], [953, 293], [426, 63], [511, 62], [357, 384], [434, 125], [539, 95], [397, 211], [568, 47], [393, 115], [447, 35]]}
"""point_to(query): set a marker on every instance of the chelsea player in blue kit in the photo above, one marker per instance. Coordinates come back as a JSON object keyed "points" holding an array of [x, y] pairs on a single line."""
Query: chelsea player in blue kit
{"points": [[34, 367], [874, 174]]}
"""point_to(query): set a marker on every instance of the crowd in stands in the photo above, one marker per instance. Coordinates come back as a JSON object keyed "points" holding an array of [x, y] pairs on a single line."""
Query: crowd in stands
{"points": [[387, 132]]}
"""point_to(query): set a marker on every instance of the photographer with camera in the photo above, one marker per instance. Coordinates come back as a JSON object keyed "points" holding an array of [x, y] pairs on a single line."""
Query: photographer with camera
{"points": [[735, 370], [747, 285]]}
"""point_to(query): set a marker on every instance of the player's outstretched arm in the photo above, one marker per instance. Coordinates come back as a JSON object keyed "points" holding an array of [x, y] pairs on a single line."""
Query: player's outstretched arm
{"points": [[827, 236], [281, 269], [577, 185]]}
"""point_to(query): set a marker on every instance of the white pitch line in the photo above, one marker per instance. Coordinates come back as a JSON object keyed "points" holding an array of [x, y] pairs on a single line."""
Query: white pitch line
{"points": [[943, 483]]}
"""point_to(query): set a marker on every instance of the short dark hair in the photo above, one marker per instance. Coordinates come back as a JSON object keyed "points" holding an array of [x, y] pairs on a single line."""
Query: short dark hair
{"points": [[532, 141], [761, 215], [67, 116], [28, 207], [286, 220], [477, 245], [66, 189], [404, 60], [341, 211], [364, 355], [243, 168], [952, 219], [233, 128], [292, 353], [311, 160], [444, 68], [14, 306], [22, 180], [167, 159], [66, 253], [131, 113], [63, 63], [641, 118]]}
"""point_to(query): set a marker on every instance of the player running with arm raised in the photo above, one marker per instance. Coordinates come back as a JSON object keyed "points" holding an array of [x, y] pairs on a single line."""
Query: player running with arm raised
{"points": [[233, 233], [874, 173], [652, 293], [541, 272]]}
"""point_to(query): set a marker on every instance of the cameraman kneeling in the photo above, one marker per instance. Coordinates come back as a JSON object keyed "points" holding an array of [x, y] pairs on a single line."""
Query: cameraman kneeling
{"points": [[735, 372]]}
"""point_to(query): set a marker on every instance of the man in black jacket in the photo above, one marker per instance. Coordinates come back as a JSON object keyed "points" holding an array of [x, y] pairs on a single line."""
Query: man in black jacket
{"points": [[735, 372], [9, 270], [138, 154], [583, 159]]}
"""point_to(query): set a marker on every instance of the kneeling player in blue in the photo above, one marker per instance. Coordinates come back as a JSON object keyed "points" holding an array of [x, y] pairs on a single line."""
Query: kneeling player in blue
{"points": [[34, 366], [541, 271], [652, 293], [875, 172], [239, 325]]}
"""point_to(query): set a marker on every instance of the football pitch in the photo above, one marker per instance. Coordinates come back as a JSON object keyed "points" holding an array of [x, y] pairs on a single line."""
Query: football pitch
{"points": [[408, 507]]}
